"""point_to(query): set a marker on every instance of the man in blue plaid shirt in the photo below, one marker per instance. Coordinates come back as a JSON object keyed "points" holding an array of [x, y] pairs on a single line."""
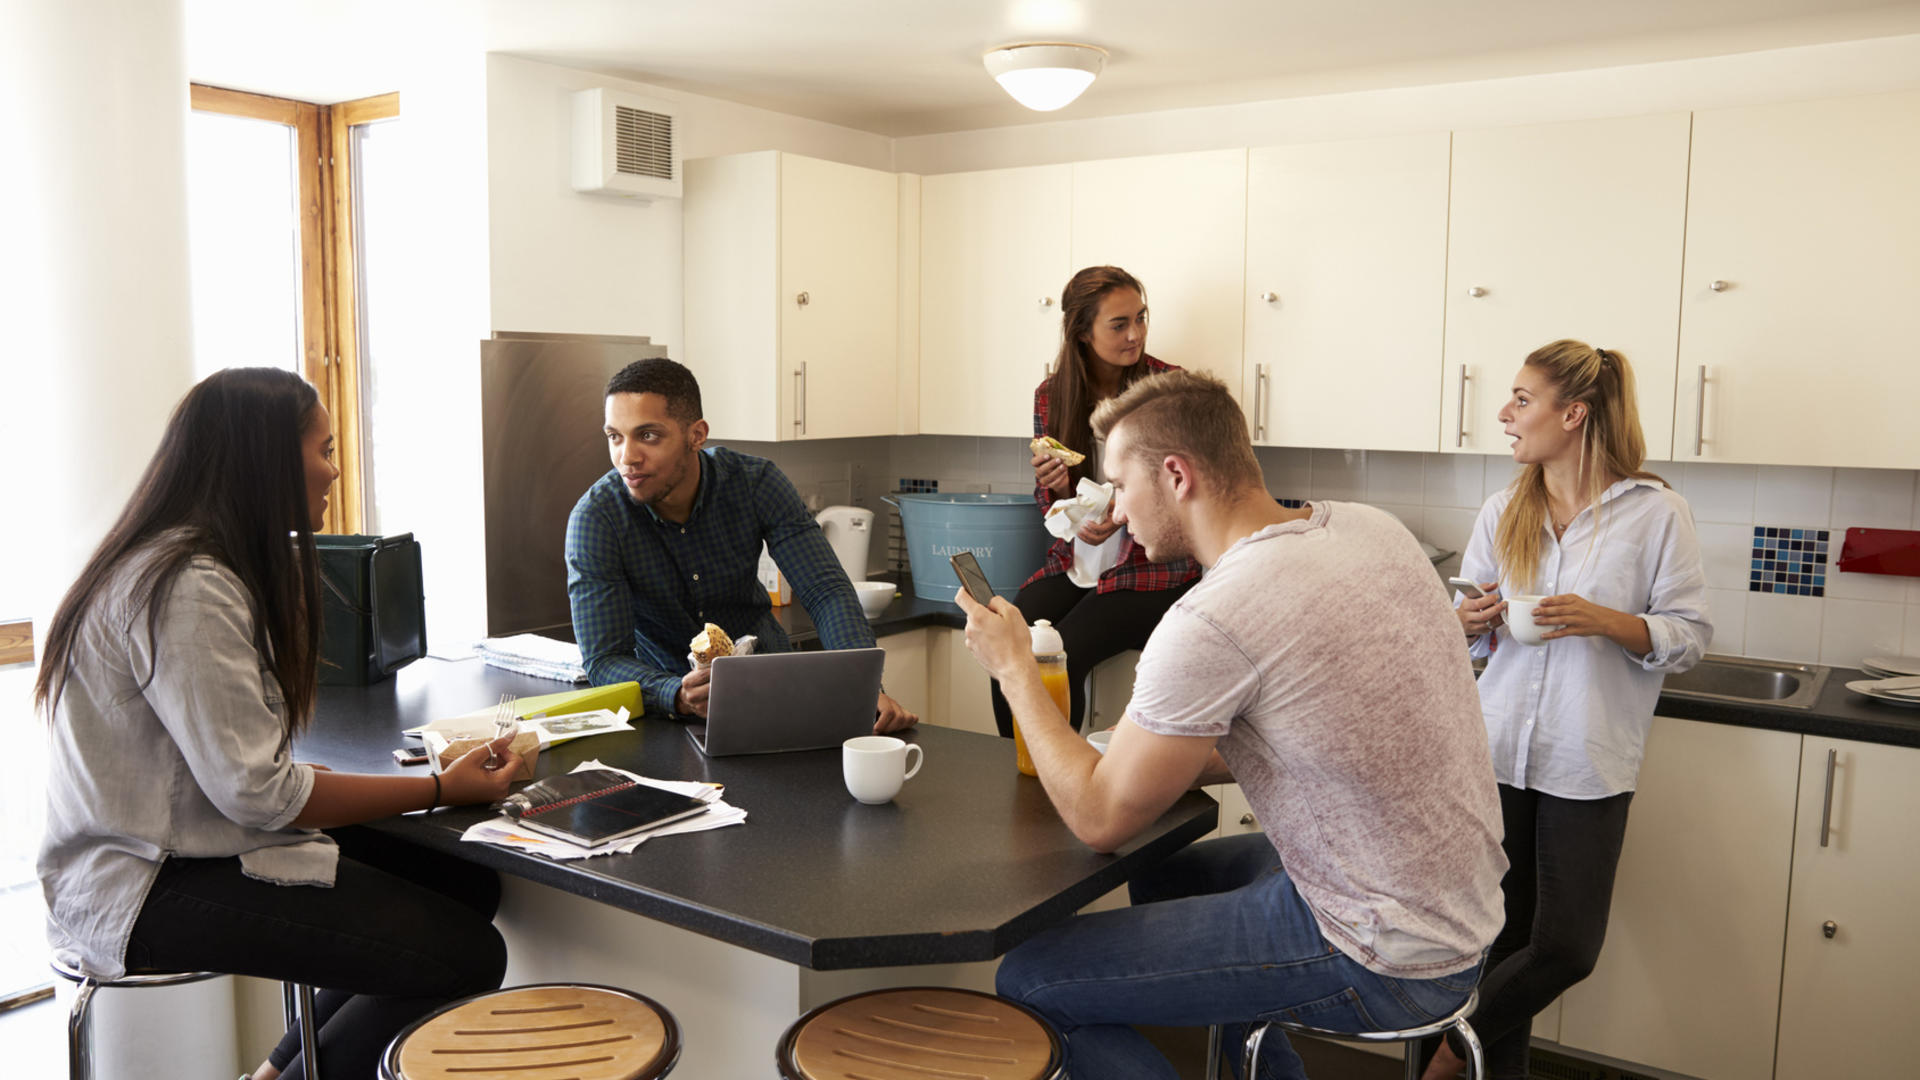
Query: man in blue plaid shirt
{"points": [[669, 541]]}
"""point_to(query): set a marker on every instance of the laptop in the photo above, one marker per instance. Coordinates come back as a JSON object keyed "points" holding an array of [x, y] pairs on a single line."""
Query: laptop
{"points": [[764, 703]]}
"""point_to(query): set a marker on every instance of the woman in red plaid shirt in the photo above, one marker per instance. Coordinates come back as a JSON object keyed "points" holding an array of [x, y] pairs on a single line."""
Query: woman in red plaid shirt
{"points": [[1098, 587]]}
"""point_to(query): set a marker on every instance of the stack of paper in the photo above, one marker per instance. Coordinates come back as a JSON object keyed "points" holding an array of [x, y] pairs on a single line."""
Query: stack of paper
{"points": [[531, 654], [506, 832]]}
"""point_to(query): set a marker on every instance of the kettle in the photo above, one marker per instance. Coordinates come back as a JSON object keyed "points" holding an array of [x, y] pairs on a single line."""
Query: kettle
{"points": [[849, 530]]}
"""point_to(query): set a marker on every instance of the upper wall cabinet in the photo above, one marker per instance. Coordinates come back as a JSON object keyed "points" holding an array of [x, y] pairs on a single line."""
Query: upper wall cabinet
{"points": [[1570, 230], [1178, 222], [1802, 264], [995, 251], [792, 306], [1346, 269]]}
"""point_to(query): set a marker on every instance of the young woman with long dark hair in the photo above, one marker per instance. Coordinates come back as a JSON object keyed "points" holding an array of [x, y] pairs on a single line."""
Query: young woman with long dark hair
{"points": [[1098, 587], [1611, 550], [181, 835]]}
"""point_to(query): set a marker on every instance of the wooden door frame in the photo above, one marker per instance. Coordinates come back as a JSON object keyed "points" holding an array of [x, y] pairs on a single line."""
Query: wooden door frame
{"points": [[329, 279]]}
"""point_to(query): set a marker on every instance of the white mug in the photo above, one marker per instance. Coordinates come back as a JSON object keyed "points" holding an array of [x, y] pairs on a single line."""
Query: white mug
{"points": [[876, 765], [1520, 620]]}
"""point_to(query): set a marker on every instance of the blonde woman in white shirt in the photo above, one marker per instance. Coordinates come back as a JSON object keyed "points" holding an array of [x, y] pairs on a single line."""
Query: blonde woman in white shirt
{"points": [[1612, 550]]}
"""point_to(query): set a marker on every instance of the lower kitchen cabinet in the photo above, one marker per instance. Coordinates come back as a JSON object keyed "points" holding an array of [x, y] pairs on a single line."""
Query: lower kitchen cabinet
{"points": [[958, 690], [1689, 979], [1852, 944], [905, 675]]}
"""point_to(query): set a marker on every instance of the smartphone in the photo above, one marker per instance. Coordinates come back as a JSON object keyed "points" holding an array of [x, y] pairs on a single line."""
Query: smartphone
{"points": [[1472, 590], [411, 755], [974, 578]]}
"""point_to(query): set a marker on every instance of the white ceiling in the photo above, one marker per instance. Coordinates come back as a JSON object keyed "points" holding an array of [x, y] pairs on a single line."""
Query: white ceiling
{"points": [[907, 67]]}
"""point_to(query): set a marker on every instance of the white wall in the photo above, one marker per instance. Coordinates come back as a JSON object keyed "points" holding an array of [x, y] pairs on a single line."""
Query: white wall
{"points": [[1814, 71], [591, 264]]}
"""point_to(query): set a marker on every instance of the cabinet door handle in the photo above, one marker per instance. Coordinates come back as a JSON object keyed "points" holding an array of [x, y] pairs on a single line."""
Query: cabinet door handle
{"points": [[1260, 401], [1460, 422], [1476, 292], [1269, 297], [800, 397], [1717, 286], [1826, 802], [1046, 301], [1829, 928], [1700, 413], [803, 299], [1246, 819]]}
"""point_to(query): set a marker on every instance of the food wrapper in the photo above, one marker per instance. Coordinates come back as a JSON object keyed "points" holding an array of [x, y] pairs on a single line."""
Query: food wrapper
{"points": [[447, 740], [1090, 502], [742, 646]]}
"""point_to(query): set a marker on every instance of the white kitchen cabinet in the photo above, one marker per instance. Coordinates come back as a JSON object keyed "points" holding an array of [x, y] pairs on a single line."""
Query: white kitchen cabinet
{"points": [[905, 676], [1689, 978], [1178, 222], [1346, 273], [1569, 230], [958, 686], [792, 304], [995, 253], [1847, 999], [1803, 260]]}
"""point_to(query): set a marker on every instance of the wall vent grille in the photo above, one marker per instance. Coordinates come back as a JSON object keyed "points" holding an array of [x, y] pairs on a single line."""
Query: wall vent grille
{"points": [[644, 143]]}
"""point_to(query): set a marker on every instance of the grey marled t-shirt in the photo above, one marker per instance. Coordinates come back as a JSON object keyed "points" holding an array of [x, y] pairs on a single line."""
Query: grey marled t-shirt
{"points": [[1324, 656]]}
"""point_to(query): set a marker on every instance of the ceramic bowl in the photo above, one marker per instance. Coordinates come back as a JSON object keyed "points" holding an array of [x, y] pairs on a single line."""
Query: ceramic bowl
{"points": [[875, 596]]}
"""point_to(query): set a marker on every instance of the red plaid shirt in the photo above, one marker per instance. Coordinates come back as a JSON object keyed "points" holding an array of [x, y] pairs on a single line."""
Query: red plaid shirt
{"points": [[1134, 571]]}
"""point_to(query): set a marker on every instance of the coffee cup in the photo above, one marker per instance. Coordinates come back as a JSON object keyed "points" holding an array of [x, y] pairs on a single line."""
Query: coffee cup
{"points": [[1100, 739], [874, 766], [1520, 620]]}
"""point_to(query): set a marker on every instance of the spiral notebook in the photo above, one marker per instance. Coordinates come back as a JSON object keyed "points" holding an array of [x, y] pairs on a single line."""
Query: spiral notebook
{"points": [[595, 807]]}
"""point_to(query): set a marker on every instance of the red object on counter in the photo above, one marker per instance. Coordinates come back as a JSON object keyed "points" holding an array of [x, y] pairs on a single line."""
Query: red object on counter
{"points": [[1881, 551]]}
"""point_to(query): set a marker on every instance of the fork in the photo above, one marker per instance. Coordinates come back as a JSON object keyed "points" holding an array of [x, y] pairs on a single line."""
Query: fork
{"points": [[504, 723]]}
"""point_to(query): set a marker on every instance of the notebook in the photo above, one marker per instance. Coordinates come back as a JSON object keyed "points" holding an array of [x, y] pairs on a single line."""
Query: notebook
{"points": [[766, 703], [595, 807]]}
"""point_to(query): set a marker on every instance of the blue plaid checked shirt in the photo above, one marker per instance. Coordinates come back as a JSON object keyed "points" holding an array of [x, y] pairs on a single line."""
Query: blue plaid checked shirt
{"points": [[642, 587]]}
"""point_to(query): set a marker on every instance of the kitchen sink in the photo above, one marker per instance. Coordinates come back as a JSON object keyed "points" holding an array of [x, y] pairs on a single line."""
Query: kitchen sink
{"points": [[1763, 682]]}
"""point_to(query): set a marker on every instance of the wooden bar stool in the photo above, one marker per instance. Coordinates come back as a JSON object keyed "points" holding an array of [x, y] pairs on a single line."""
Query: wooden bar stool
{"points": [[913, 1033], [592, 1032], [80, 1044], [1456, 1021]]}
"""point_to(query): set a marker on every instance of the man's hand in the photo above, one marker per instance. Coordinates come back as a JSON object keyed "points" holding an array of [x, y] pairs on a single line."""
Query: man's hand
{"points": [[890, 715], [694, 688], [997, 636], [1051, 472]]}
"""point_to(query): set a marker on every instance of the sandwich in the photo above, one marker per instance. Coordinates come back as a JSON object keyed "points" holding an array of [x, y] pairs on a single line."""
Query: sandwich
{"points": [[710, 643], [1048, 446]]}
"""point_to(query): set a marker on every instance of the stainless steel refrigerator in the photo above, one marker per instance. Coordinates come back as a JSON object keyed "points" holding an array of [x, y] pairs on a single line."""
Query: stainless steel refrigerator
{"points": [[541, 416]]}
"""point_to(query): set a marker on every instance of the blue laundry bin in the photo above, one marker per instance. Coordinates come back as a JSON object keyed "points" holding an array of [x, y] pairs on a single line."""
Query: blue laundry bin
{"points": [[1003, 531]]}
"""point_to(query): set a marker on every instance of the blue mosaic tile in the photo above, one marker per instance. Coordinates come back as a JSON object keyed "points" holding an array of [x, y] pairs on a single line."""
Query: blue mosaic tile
{"points": [[1788, 561], [910, 486]]}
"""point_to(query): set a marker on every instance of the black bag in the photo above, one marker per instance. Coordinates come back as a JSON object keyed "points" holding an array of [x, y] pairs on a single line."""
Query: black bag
{"points": [[374, 607]]}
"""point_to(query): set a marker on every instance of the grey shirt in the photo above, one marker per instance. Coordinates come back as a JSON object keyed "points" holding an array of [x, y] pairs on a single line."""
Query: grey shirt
{"points": [[196, 764], [1324, 657]]}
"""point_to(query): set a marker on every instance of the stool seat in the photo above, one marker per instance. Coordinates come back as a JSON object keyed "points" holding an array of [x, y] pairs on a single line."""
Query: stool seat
{"points": [[914, 1033], [151, 978], [593, 1032], [79, 1048]]}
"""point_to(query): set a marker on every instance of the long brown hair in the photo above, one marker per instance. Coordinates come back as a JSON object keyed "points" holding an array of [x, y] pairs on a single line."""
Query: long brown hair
{"points": [[1069, 388], [1611, 445], [228, 481]]}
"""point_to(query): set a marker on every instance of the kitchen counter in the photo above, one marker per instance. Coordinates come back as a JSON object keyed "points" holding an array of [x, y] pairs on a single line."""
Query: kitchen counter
{"points": [[1838, 714]]}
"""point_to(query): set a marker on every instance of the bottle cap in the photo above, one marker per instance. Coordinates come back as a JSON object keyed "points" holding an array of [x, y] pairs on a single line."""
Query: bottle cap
{"points": [[1046, 639]]}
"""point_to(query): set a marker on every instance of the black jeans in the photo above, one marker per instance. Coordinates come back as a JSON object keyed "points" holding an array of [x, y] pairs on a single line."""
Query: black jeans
{"points": [[1093, 626], [1559, 888], [402, 931]]}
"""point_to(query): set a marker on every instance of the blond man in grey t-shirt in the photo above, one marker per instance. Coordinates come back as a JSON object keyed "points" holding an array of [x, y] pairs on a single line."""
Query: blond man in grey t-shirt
{"points": [[1318, 663]]}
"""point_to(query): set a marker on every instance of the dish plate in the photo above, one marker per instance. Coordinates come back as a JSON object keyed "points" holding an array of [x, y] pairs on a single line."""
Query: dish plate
{"points": [[1891, 666], [1864, 687]]}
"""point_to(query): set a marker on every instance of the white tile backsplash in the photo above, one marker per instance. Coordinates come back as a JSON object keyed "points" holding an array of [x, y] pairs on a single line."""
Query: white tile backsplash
{"points": [[1340, 475], [1727, 609], [1438, 497], [1795, 495], [1455, 480], [1852, 629], [1783, 627], [1872, 498], [1716, 492], [1395, 477]]}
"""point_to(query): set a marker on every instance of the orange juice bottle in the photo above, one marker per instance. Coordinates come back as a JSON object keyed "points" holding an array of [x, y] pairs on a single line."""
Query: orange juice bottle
{"points": [[1051, 654]]}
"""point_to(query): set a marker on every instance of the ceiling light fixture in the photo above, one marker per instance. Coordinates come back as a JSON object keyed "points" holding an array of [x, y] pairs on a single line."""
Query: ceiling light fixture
{"points": [[1045, 75]]}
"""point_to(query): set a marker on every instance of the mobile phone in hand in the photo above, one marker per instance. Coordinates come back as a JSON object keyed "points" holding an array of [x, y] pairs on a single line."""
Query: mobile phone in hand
{"points": [[1464, 585], [974, 578]]}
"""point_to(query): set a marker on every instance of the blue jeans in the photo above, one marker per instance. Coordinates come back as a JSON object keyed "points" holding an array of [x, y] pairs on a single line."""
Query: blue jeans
{"points": [[1218, 935]]}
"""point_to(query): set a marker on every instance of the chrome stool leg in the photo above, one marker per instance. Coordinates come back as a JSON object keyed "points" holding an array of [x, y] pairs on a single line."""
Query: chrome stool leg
{"points": [[79, 1060], [1213, 1053], [1250, 1063], [296, 1005]]}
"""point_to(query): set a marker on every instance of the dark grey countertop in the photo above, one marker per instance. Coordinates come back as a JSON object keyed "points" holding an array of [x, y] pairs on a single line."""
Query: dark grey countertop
{"points": [[969, 860], [1839, 714]]}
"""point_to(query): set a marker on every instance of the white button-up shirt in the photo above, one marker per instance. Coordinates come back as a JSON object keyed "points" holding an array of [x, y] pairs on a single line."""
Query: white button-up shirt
{"points": [[1570, 718]]}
